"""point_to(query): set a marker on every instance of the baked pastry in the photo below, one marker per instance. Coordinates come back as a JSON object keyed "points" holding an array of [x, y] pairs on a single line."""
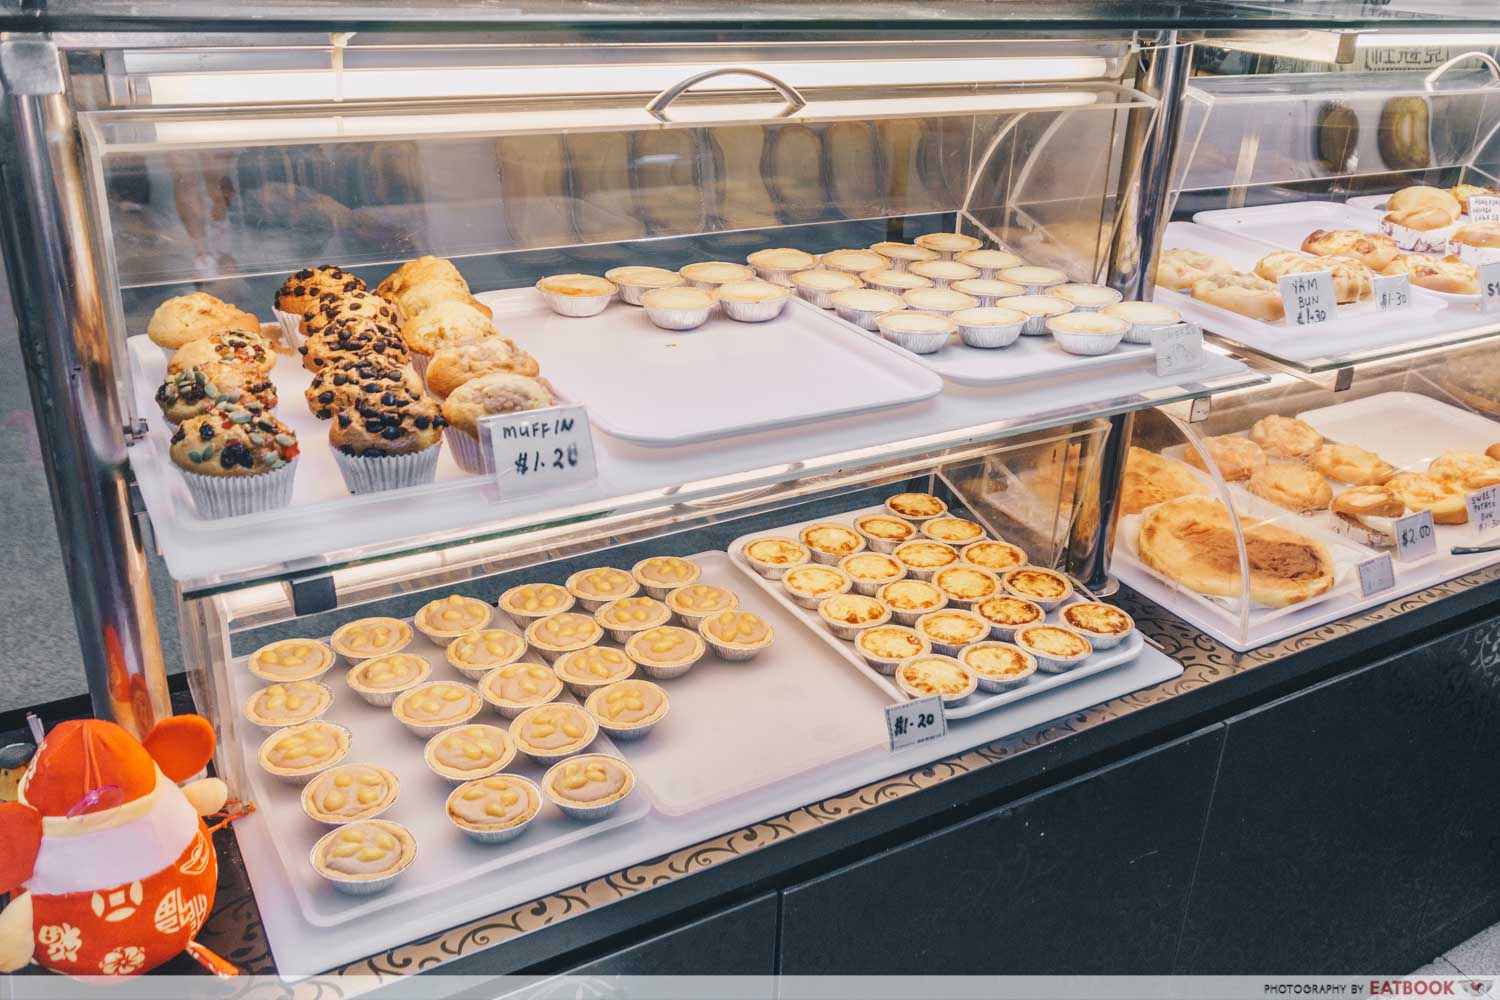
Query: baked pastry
{"points": [[355, 310], [228, 443], [916, 506], [710, 274], [953, 530], [1291, 486], [287, 704], [186, 318], [346, 379], [1237, 458], [364, 857], [1191, 541], [1421, 207], [1054, 647], [296, 753], [1179, 268], [936, 674], [1246, 294], [625, 617], [771, 557], [634, 281], [414, 300], [809, 585], [697, 601], [966, 585], [1084, 296], [290, 660], [1351, 281], [941, 301], [590, 668], [941, 272], [350, 792], [1369, 513], [666, 651], [884, 532], [1006, 613], [198, 390], [515, 687], [829, 543], [736, 635], [776, 263], [1373, 250], [951, 629], [446, 324], [392, 422], [886, 646], [366, 638], [989, 262], [854, 261], [911, 599], [530, 601], [300, 292], [1422, 492], [998, 665], [1043, 587], [423, 270], [599, 585], [332, 344], [1103, 625], [1463, 192], [476, 653], [993, 556], [561, 633], [869, 571], [948, 244], [1286, 437], [497, 392], [494, 809], [901, 255], [1481, 235], [923, 558], [846, 615], [451, 367], [1465, 470], [1452, 275], [232, 347], [1151, 479], [576, 294], [1493, 451], [627, 709], [464, 753], [429, 708], [659, 575], [589, 787], [1348, 463], [380, 679]]}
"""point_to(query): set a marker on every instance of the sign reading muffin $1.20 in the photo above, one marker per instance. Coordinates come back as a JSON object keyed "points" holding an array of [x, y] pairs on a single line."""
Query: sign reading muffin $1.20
{"points": [[541, 451]]}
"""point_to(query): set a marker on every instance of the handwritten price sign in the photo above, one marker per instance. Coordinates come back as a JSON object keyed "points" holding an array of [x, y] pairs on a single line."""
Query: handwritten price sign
{"points": [[1392, 291], [909, 723], [1308, 298], [1376, 575], [1415, 536], [1178, 348], [1484, 208], [1484, 509], [1489, 286], [538, 451]]}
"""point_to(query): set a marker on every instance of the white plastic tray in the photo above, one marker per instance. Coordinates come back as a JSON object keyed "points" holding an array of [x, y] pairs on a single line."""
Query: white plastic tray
{"points": [[1358, 328], [659, 388], [974, 704], [446, 858]]}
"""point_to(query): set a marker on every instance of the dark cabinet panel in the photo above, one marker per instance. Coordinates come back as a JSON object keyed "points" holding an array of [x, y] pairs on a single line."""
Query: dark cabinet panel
{"points": [[739, 941], [1353, 822], [1090, 877]]}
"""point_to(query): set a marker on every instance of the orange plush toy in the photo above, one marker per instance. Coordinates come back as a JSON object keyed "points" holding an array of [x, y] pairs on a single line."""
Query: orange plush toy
{"points": [[110, 866]]}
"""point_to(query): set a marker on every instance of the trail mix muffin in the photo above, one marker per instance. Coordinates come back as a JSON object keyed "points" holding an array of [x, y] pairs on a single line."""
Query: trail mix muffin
{"points": [[451, 367], [234, 347], [235, 460], [198, 390], [361, 337], [387, 442], [186, 318], [499, 392], [350, 309], [300, 293], [345, 379]]}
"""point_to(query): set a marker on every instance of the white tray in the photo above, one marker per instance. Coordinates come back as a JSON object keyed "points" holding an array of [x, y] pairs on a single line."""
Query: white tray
{"points": [[819, 713], [1358, 328], [659, 388], [446, 858], [974, 704]]}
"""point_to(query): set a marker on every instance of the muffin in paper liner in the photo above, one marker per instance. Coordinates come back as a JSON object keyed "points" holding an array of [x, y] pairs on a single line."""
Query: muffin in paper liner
{"points": [[388, 472], [468, 450], [216, 497], [420, 361]]}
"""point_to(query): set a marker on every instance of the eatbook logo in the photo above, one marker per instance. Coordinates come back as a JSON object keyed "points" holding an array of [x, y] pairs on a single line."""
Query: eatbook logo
{"points": [[1477, 987]]}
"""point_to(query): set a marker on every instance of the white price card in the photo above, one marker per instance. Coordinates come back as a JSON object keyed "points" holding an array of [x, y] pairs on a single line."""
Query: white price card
{"points": [[1489, 286], [1179, 348], [1484, 208], [1308, 298], [912, 722], [1392, 291], [536, 451], [1376, 574], [1484, 509], [1415, 536]]}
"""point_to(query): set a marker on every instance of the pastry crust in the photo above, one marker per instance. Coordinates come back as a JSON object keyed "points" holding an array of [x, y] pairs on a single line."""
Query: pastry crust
{"points": [[1422, 207], [1291, 485], [1493, 451], [1440, 274], [1351, 282], [1246, 294], [1238, 458], [1191, 540], [1349, 463], [1151, 479], [1465, 470], [1286, 437], [1421, 492], [1373, 250], [1364, 507], [1180, 268]]}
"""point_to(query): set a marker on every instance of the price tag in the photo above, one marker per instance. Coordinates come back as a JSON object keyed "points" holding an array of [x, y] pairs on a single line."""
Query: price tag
{"points": [[536, 451], [1178, 348], [1308, 298], [1484, 208], [1415, 537], [1376, 574], [1484, 509], [1489, 286], [912, 722], [1392, 291]]}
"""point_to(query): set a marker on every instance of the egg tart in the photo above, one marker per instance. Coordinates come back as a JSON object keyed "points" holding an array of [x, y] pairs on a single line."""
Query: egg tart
{"points": [[666, 651], [586, 670], [951, 629], [883, 532], [549, 733], [364, 858], [367, 637], [885, 647], [934, 674], [428, 709], [629, 709], [1055, 648], [736, 635], [916, 506], [1104, 625], [772, 557], [515, 687], [558, 634], [379, 680], [948, 245], [1006, 613], [477, 653], [530, 601], [998, 665], [659, 575], [812, 584], [350, 792], [291, 660], [628, 615], [298, 752], [870, 571], [910, 599], [854, 261], [693, 603], [965, 585], [466, 752], [596, 587], [279, 705], [494, 809], [849, 614], [452, 616], [829, 543], [1041, 586], [589, 787], [993, 556], [952, 530], [923, 558]]}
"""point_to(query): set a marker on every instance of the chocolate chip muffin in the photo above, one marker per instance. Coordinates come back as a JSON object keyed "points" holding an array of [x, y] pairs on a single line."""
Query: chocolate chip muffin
{"points": [[302, 290], [199, 389], [339, 384], [387, 441], [235, 347], [353, 338], [355, 308]]}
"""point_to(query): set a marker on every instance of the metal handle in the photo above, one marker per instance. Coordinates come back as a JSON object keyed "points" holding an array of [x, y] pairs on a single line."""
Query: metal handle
{"points": [[1484, 57], [1469, 550], [795, 102]]}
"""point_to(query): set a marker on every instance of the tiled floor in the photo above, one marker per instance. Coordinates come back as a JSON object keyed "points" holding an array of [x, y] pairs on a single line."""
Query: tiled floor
{"points": [[1478, 956]]}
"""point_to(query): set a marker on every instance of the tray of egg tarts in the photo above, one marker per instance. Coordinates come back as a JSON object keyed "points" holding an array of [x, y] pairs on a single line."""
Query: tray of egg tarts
{"points": [[922, 602]]}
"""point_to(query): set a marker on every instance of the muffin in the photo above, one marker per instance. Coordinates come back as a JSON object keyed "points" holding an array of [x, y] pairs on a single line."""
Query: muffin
{"points": [[485, 396], [336, 343], [300, 293], [186, 318], [451, 367], [198, 390], [446, 324], [240, 348], [422, 271], [235, 460], [351, 309], [340, 384], [387, 442]]}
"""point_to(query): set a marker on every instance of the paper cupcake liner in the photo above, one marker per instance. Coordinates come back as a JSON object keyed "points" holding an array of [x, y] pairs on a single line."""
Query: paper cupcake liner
{"points": [[232, 496], [1420, 240], [388, 472], [467, 451], [420, 362], [291, 328]]}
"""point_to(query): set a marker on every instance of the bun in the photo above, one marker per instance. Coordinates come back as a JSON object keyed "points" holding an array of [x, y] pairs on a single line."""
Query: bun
{"points": [[1285, 437], [1373, 250], [1237, 458], [1478, 234], [1465, 470], [1493, 451], [1422, 207], [1446, 274], [1463, 192], [1246, 294], [1351, 282], [1292, 486], [1420, 492], [1151, 478], [1180, 267], [1349, 463]]}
